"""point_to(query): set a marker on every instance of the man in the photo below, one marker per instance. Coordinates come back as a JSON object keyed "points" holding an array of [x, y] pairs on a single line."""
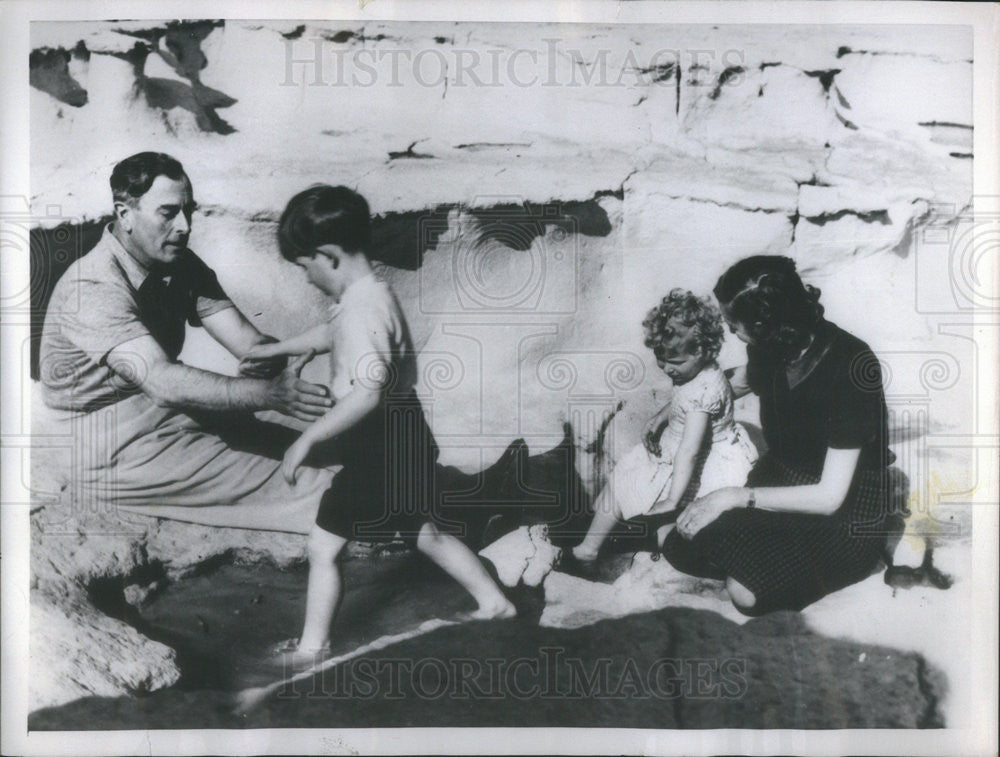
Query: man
{"points": [[152, 434]]}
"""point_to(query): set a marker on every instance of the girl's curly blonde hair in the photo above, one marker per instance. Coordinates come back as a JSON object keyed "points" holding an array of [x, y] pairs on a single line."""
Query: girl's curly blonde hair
{"points": [[698, 313]]}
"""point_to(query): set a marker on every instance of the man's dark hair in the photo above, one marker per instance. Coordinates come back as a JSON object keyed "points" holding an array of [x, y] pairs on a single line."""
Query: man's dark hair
{"points": [[324, 215], [133, 177]]}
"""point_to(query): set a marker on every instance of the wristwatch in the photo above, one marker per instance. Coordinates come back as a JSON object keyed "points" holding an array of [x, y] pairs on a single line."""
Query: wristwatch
{"points": [[751, 498]]}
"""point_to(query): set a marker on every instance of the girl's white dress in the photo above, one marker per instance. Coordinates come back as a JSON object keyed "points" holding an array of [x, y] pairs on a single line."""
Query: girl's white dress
{"points": [[640, 479]]}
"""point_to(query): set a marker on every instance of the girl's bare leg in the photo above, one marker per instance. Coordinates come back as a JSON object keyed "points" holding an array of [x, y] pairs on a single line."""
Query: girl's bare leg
{"points": [[606, 515]]}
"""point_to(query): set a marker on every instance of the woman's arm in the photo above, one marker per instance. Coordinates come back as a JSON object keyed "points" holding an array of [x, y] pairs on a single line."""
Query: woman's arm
{"points": [[738, 380], [822, 498], [695, 426]]}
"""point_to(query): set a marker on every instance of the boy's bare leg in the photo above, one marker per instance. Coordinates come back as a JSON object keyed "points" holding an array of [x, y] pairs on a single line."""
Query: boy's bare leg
{"points": [[324, 589], [459, 562], [606, 514]]}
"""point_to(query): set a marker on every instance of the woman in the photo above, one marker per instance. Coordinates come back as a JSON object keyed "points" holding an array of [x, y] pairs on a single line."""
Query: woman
{"points": [[810, 518]]}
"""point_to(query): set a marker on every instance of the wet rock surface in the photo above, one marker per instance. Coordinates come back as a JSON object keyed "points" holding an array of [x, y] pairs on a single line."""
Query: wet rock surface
{"points": [[94, 570], [671, 668], [85, 571]]}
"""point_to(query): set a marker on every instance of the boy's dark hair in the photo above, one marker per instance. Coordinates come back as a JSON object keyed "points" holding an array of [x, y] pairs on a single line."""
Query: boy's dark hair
{"points": [[133, 177], [697, 313], [324, 215], [765, 295]]}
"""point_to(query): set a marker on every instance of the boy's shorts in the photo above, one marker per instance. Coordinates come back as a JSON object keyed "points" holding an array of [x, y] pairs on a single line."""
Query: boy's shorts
{"points": [[386, 486]]}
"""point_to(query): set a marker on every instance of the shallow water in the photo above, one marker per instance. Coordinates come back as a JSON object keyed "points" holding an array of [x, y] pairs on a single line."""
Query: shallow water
{"points": [[222, 623]]}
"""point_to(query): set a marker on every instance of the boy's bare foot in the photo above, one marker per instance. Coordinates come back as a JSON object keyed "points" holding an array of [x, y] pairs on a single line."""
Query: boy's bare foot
{"points": [[291, 659], [492, 612], [280, 661], [582, 554]]}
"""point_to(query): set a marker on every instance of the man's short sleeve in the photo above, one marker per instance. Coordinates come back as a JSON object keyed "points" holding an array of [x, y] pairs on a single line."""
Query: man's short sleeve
{"points": [[107, 317], [206, 292]]}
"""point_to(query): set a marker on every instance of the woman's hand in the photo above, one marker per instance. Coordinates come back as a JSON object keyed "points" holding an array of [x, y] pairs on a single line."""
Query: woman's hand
{"points": [[294, 458], [705, 510]]}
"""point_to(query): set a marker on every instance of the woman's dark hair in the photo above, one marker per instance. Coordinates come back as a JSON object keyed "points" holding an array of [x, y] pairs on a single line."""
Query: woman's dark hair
{"points": [[324, 215], [698, 313], [133, 177], [765, 295]]}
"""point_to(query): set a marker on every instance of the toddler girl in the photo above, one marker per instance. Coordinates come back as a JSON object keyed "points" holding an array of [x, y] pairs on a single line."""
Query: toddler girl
{"points": [[701, 449]]}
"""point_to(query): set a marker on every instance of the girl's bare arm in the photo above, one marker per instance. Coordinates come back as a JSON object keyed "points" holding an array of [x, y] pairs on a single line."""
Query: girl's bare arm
{"points": [[695, 427]]}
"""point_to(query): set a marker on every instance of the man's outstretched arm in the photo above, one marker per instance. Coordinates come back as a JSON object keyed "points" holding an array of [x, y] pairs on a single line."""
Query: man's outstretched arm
{"points": [[171, 384], [230, 328]]}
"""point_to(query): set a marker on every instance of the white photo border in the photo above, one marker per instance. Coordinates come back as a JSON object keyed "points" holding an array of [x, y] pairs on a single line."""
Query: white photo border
{"points": [[15, 17]]}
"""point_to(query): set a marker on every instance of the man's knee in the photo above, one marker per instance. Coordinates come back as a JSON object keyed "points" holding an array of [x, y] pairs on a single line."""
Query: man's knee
{"points": [[743, 599], [324, 547]]}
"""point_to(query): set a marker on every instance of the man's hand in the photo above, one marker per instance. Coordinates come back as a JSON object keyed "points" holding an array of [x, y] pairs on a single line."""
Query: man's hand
{"points": [[294, 457], [291, 396], [704, 510]]}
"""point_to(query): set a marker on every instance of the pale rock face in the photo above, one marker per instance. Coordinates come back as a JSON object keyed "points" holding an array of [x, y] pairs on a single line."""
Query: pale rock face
{"points": [[81, 652], [687, 243], [887, 91], [776, 105]]}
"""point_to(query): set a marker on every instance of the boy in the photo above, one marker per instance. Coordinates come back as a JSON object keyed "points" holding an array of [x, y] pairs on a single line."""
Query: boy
{"points": [[377, 424]]}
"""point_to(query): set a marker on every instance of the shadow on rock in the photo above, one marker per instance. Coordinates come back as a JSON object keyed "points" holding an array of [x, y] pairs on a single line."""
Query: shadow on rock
{"points": [[48, 71], [519, 489], [404, 238]]}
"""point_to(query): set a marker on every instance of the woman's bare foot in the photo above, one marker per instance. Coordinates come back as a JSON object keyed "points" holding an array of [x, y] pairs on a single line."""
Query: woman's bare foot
{"points": [[661, 536], [492, 612], [582, 554]]}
